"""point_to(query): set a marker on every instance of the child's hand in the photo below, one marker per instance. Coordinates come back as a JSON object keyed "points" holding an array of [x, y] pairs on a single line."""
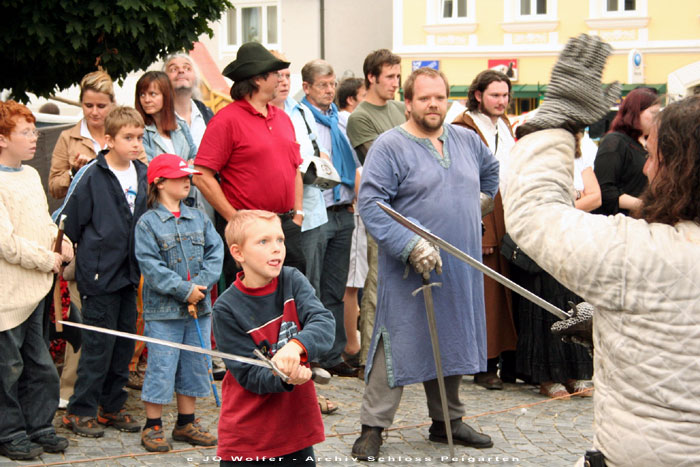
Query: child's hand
{"points": [[287, 360], [197, 294], [300, 375]]}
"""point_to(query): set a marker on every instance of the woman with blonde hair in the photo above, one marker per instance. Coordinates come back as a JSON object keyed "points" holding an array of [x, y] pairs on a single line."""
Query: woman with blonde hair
{"points": [[79, 145]]}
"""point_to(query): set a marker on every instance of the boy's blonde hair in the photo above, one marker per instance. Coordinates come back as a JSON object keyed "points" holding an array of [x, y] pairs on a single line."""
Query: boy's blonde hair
{"points": [[122, 116], [235, 232]]}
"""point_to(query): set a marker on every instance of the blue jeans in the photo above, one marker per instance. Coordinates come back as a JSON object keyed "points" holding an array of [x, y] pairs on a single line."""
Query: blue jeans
{"points": [[336, 241], [28, 381], [169, 369], [103, 369], [311, 246]]}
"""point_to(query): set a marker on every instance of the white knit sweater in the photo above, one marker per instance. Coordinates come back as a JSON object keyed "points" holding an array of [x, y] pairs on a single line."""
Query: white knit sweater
{"points": [[26, 242]]}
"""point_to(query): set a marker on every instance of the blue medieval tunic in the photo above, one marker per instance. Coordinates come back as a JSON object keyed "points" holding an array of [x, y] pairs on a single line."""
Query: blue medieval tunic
{"points": [[442, 195]]}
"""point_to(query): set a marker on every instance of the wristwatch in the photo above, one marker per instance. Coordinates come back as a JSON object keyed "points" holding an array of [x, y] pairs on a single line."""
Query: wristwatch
{"points": [[299, 212]]}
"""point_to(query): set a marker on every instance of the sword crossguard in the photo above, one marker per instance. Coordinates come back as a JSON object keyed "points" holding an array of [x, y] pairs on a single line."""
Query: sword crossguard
{"points": [[271, 364], [420, 289]]}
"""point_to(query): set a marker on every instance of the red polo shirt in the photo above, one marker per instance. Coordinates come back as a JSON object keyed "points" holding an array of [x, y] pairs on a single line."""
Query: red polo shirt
{"points": [[256, 156]]}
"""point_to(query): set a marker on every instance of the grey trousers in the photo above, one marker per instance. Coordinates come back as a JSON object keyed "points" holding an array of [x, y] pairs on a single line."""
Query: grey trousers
{"points": [[380, 402]]}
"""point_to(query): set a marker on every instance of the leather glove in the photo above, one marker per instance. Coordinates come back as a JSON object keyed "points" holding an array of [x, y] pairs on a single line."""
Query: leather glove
{"points": [[579, 328], [425, 257], [486, 204], [574, 95]]}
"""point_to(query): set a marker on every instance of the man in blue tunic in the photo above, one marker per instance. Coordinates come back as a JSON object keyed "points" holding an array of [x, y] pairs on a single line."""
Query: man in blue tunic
{"points": [[431, 173]]}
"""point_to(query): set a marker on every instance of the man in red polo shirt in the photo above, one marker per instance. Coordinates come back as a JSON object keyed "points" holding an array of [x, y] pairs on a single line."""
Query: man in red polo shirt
{"points": [[252, 147]]}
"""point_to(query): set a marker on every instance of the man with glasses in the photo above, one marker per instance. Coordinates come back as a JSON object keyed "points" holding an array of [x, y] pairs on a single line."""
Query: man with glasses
{"points": [[252, 147], [319, 85]]}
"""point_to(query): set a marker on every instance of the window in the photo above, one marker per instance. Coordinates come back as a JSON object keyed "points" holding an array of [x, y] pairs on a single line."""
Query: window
{"points": [[533, 7], [621, 5], [454, 9], [250, 21]]}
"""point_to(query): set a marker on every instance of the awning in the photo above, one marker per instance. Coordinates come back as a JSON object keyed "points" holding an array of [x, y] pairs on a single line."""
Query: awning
{"points": [[537, 91]]}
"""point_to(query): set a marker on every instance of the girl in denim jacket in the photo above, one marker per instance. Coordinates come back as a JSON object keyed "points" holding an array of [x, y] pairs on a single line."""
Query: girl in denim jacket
{"points": [[180, 256]]}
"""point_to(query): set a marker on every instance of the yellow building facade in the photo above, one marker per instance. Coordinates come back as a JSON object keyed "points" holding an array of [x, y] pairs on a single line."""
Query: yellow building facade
{"points": [[650, 39]]}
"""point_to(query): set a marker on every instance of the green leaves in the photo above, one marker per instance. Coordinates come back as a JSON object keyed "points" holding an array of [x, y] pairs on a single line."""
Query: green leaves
{"points": [[51, 44]]}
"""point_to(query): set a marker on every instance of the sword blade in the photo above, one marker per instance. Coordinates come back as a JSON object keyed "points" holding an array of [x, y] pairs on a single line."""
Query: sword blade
{"points": [[153, 340], [462, 256], [432, 328]]}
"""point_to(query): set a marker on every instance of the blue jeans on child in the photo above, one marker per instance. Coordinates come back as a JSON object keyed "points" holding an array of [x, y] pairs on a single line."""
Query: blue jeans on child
{"points": [[28, 381], [103, 369], [171, 369]]}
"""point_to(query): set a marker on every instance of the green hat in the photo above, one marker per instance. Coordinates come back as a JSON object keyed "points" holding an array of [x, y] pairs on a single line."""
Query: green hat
{"points": [[251, 60]]}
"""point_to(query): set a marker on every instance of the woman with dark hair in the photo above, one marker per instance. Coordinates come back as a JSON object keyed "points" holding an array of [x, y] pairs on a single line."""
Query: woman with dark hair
{"points": [[164, 131], [642, 275], [622, 154]]}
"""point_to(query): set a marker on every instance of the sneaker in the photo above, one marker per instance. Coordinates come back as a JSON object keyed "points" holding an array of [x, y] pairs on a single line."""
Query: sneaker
{"points": [[218, 368], [121, 420], [153, 439], [62, 404], [135, 380], [20, 449], [52, 443], [83, 426], [194, 433], [366, 447]]}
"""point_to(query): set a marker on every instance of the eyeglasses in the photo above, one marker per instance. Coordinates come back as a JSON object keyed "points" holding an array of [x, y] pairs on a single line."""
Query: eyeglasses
{"points": [[327, 85], [30, 133]]}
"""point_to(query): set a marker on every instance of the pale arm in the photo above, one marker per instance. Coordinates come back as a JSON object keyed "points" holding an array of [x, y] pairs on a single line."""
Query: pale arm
{"points": [[298, 198], [591, 197], [629, 202]]}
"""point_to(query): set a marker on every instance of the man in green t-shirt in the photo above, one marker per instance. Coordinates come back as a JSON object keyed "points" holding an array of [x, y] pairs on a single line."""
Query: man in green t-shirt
{"points": [[379, 112]]}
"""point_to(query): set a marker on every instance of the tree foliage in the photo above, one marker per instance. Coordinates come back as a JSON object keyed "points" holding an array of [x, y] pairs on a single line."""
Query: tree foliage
{"points": [[46, 45]]}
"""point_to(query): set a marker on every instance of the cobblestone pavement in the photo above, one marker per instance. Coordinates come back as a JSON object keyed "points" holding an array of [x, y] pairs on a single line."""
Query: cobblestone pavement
{"points": [[551, 433]]}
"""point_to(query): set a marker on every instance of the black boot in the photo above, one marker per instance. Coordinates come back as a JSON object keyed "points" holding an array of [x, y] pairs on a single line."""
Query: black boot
{"points": [[366, 447], [461, 434]]}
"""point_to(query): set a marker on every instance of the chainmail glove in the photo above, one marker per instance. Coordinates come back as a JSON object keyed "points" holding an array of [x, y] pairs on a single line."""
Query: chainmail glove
{"points": [[487, 204], [425, 257], [574, 96], [579, 328]]}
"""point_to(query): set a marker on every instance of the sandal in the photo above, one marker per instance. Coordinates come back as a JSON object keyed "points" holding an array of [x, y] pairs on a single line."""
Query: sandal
{"points": [[584, 386], [554, 390], [326, 405]]}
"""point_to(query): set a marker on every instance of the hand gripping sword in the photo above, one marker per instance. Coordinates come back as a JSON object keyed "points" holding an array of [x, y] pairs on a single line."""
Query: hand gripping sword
{"points": [[320, 377], [462, 256]]}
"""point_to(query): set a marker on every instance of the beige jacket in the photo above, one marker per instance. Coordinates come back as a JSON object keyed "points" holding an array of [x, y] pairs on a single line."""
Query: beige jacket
{"points": [[69, 145], [644, 280]]}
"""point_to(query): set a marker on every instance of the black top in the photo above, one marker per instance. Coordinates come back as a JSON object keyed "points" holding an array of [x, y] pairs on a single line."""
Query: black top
{"points": [[100, 221], [618, 167]]}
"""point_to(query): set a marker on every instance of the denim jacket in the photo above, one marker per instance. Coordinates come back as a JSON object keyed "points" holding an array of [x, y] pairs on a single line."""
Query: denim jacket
{"points": [[166, 247], [181, 138]]}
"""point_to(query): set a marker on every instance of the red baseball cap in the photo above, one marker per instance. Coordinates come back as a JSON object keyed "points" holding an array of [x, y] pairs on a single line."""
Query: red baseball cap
{"points": [[169, 166]]}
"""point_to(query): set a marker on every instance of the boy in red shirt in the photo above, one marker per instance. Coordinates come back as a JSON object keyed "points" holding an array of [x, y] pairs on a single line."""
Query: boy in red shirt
{"points": [[275, 309]]}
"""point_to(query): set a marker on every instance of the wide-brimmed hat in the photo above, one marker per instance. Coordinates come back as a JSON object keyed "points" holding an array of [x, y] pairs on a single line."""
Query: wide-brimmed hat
{"points": [[251, 60]]}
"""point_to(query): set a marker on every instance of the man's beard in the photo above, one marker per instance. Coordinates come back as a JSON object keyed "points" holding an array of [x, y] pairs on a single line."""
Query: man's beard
{"points": [[427, 126], [483, 110], [186, 90]]}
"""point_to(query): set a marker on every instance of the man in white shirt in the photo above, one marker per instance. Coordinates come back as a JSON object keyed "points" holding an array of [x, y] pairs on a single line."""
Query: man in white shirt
{"points": [[181, 71], [489, 96]]}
